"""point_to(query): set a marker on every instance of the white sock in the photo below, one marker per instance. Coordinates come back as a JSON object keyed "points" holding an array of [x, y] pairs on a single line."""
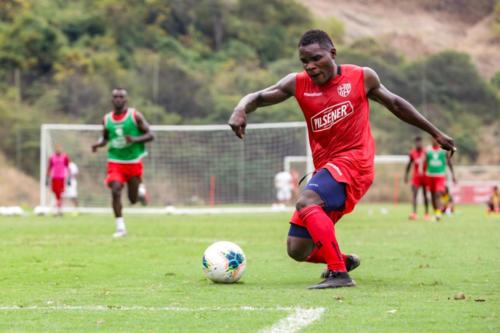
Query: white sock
{"points": [[120, 223]]}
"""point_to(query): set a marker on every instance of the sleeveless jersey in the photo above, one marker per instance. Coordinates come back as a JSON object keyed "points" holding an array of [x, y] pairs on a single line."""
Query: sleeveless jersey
{"points": [[435, 159], [337, 117], [119, 151], [418, 158]]}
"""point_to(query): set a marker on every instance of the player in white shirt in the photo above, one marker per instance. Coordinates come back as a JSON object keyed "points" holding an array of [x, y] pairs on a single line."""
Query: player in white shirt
{"points": [[71, 190], [283, 182]]}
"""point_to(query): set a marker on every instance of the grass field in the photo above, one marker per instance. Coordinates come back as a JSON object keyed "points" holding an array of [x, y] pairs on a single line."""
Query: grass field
{"points": [[67, 274]]}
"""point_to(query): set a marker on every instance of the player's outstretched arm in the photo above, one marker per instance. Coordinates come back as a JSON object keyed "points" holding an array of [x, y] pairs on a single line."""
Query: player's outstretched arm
{"points": [[103, 140], [277, 93], [144, 127], [450, 165], [403, 109]]}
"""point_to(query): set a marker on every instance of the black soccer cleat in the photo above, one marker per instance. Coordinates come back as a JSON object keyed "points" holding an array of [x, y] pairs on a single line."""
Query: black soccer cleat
{"points": [[335, 280], [352, 262]]}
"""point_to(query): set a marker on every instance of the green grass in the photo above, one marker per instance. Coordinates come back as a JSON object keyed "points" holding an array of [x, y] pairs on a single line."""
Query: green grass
{"points": [[409, 274]]}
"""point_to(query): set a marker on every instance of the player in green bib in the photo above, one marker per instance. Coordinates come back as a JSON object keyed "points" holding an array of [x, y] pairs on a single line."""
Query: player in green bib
{"points": [[126, 130], [436, 161]]}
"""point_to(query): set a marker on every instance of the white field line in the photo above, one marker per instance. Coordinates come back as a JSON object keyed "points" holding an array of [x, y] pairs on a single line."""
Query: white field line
{"points": [[295, 321], [102, 308]]}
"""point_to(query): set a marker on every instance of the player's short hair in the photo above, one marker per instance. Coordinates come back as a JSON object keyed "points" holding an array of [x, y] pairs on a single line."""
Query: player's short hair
{"points": [[122, 89], [418, 138], [316, 36]]}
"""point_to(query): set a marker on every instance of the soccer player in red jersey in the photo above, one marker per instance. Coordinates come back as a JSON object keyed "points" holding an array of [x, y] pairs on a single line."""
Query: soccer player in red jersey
{"points": [[127, 131], [417, 159], [334, 101], [57, 170]]}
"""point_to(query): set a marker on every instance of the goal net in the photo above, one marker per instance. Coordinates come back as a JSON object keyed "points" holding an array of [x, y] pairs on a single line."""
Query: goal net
{"points": [[188, 168]]}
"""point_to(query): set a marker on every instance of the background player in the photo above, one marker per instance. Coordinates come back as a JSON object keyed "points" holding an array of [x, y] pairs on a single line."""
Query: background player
{"points": [[71, 190], [447, 202], [494, 201], [57, 170], [334, 101], [127, 131], [417, 159], [283, 182], [436, 160]]}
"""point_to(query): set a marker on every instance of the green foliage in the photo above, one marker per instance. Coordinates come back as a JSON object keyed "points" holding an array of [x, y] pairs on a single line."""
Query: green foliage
{"points": [[190, 61], [333, 27]]}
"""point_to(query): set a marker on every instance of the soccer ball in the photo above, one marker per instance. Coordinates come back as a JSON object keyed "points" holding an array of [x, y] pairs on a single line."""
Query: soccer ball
{"points": [[224, 262]]}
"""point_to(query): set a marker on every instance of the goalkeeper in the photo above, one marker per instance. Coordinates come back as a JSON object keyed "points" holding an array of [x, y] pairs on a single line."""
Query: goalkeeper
{"points": [[127, 131]]}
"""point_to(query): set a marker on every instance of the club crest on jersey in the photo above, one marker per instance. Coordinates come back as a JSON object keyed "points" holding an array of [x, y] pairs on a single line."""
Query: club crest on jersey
{"points": [[328, 117], [344, 89]]}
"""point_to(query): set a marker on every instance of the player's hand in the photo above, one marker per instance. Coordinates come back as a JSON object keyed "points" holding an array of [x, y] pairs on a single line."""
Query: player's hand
{"points": [[94, 148], [238, 122], [129, 139], [447, 143]]}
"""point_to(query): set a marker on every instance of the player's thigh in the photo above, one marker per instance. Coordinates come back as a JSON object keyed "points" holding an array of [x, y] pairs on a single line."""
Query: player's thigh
{"points": [[331, 193], [133, 186]]}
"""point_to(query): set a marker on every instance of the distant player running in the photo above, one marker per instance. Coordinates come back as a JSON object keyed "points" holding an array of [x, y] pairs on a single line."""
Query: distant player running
{"points": [[57, 170], [334, 101], [127, 131], [436, 161], [417, 159]]}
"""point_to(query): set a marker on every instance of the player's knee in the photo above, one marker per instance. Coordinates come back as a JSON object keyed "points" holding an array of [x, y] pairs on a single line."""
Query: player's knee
{"points": [[307, 198], [296, 253], [116, 189]]}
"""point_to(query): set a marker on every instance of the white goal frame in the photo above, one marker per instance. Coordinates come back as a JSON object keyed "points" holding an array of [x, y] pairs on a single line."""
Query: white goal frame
{"points": [[45, 153]]}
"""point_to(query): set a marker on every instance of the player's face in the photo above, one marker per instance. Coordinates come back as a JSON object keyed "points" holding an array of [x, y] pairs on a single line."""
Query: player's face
{"points": [[418, 144], [119, 99], [318, 62]]}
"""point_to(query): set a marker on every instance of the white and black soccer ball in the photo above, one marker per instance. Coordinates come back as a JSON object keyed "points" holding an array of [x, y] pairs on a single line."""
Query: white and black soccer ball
{"points": [[224, 262]]}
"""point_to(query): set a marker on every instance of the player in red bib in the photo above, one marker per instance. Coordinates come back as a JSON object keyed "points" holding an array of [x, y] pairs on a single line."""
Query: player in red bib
{"points": [[57, 171], [334, 101], [417, 159]]}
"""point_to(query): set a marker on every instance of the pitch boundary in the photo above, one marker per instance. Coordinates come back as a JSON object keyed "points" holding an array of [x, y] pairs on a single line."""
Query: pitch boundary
{"points": [[297, 319]]}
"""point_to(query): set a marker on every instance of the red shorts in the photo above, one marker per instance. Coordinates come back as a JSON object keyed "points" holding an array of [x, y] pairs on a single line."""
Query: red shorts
{"points": [[122, 172], [436, 183], [419, 181], [357, 183], [57, 186]]}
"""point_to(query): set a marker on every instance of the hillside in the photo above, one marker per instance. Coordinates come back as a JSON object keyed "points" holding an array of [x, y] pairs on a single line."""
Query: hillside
{"points": [[415, 29], [16, 188]]}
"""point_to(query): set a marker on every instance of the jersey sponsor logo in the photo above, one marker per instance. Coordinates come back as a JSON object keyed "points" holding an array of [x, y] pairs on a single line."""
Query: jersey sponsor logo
{"points": [[344, 89], [328, 117], [313, 94]]}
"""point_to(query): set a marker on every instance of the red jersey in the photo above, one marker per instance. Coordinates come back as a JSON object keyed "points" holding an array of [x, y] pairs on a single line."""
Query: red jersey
{"points": [[418, 158], [337, 116], [58, 166]]}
